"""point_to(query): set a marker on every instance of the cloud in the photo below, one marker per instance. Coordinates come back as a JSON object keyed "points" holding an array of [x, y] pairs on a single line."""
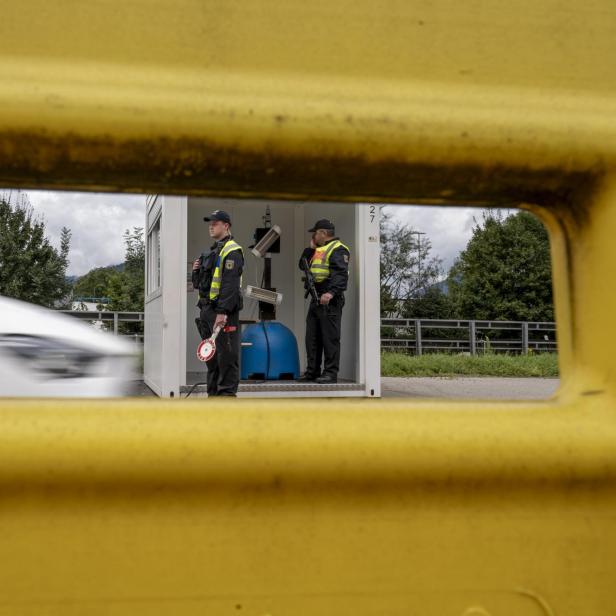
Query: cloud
{"points": [[448, 228], [97, 222]]}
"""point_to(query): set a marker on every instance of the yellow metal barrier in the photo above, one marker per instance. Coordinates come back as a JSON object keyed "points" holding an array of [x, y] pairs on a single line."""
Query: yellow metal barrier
{"points": [[342, 507]]}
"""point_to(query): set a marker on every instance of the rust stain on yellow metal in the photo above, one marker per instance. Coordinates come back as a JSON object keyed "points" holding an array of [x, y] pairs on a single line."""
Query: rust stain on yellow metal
{"points": [[253, 507]]}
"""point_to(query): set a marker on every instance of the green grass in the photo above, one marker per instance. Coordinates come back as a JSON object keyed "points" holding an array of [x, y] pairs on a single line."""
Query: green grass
{"points": [[442, 364]]}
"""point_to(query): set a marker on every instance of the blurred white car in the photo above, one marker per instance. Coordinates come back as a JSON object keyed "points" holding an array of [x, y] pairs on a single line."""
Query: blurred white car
{"points": [[47, 354]]}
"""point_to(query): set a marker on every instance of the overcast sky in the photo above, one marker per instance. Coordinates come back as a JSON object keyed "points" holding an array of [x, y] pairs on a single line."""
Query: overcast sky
{"points": [[448, 228], [98, 222]]}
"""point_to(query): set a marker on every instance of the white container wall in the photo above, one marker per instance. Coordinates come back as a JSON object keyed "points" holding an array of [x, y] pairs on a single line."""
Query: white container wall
{"points": [[164, 342]]}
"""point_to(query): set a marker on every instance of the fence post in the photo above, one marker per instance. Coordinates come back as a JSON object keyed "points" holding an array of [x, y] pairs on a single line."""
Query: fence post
{"points": [[525, 338], [418, 336], [472, 338], [115, 323]]}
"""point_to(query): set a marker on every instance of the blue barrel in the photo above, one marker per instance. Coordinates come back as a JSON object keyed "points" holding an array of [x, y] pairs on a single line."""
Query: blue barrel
{"points": [[272, 354]]}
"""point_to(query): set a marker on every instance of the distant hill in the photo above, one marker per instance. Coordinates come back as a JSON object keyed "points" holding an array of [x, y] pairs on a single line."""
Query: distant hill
{"points": [[73, 279]]}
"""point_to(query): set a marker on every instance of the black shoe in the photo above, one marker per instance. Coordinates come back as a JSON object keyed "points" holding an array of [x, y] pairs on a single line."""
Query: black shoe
{"points": [[306, 378], [326, 379]]}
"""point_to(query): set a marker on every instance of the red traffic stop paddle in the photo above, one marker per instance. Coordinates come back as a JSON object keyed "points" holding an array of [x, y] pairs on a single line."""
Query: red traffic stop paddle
{"points": [[207, 348]]}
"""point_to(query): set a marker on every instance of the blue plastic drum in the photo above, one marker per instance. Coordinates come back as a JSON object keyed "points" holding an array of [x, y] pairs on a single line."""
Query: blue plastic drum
{"points": [[272, 354]]}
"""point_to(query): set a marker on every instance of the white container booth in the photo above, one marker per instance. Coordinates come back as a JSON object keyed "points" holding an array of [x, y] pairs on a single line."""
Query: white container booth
{"points": [[177, 235]]}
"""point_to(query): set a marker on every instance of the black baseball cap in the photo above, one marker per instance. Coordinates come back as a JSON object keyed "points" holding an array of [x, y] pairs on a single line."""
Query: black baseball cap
{"points": [[218, 215], [322, 224]]}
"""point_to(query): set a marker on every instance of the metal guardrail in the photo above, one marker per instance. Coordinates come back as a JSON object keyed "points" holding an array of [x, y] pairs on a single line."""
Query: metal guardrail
{"points": [[116, 317], [91, 300], [409, 335], [418, 336]]}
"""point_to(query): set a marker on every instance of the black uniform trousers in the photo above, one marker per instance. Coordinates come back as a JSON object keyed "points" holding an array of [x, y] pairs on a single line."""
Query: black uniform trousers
{"points": [[223, 370], [323, 338]]}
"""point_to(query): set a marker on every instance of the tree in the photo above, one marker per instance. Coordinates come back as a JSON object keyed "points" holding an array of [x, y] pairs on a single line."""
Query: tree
{"points": [[407, 270], [505, 271], [31, 269], [95, 283], [126, 288], [432, 304]]}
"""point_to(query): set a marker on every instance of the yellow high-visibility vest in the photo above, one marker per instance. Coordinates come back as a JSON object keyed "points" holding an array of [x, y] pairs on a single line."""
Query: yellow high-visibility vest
{"points": [[319, 265], [227, 249]]}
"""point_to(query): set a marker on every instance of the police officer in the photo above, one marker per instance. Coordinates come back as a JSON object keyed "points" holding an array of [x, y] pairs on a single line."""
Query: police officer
{"points": [[328, 259], [218, 274]]}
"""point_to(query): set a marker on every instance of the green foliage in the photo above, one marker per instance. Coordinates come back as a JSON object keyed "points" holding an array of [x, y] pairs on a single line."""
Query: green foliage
{"points": [[125, 289], [95, 283], [135, 254], [31, 269], [505, 271], [122, 286], [442, 364], [407, 270], [432, 304]]}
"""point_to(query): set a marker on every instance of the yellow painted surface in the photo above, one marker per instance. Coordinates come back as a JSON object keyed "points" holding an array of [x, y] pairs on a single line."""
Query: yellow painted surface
{"points": [[338, 507]]}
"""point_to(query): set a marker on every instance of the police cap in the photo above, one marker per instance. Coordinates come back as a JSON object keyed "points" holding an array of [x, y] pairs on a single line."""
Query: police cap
{"points": [[323, 224], [218, 215]]}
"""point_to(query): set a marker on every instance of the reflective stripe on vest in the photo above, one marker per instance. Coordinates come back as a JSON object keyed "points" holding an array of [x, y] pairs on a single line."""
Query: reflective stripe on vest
{"points": [[319, 265], [228, 248]]}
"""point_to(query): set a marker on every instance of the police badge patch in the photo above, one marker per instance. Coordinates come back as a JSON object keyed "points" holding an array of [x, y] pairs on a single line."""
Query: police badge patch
{"points": [[229, 264]]}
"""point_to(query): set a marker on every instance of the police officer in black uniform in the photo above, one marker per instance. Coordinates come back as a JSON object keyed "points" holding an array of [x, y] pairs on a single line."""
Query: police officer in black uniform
{"points": [[217, 275], [328, 260]]}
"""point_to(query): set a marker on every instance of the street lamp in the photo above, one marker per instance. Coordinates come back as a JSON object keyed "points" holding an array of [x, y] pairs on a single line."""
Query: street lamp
{"points": [[418, 234]]}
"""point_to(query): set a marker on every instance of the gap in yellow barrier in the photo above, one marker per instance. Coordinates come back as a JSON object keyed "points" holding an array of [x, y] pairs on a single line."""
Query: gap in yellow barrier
{"points": [[440, 301]]}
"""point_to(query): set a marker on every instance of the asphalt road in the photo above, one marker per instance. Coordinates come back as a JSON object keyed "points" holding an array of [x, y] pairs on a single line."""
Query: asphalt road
{"points": [[486, 388]]}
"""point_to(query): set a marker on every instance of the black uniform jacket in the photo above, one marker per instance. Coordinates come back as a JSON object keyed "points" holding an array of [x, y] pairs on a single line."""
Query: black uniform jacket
{"points": [[336, 283], [230, 297]]}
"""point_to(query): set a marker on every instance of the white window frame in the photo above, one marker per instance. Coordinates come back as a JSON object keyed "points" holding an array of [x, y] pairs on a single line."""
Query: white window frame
{"points": [[154, 275]]}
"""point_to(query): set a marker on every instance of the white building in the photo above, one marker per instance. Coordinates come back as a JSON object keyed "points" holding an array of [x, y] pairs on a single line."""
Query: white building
{"points": [[177, 235]]}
